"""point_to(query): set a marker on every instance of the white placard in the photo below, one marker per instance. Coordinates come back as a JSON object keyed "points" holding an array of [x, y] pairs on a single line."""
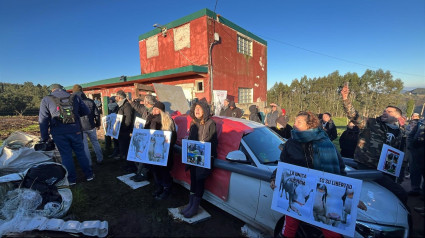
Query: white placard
{"points": [[321, 199], [219, 96], [139, 123], [196, 153], [390, 160], [112, 124], [149, 146]]}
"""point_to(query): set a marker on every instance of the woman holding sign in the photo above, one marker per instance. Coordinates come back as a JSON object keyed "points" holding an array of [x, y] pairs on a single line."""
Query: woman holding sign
{"points": [[309, 146], [202, 129], [160, 120]]}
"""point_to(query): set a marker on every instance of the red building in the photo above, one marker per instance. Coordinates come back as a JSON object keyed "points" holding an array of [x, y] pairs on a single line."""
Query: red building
{"points": [[200, 52]]}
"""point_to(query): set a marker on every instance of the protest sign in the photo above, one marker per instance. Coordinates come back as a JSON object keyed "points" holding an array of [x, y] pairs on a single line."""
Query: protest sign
{"points": [[390, 160], [139, 123], [219, 96], [149, 146], [321, 199], [196, 153], [112, 124]]}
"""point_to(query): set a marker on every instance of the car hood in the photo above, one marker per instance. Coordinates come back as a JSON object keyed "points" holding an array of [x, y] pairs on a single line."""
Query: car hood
{"points": [[378, 199]]}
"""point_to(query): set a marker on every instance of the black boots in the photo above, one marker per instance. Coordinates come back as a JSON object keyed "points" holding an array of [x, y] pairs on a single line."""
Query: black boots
{"points": [[164, 194]]}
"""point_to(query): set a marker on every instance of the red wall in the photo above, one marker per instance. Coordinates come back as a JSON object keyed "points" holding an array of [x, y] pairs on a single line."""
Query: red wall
{"points": [[232, 70], [168, 58]]}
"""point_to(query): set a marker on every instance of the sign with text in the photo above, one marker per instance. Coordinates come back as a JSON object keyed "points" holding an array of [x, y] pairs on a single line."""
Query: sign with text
{"points": [[319, 198]]}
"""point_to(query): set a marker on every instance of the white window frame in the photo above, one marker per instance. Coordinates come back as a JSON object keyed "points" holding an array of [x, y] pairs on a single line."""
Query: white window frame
{"points": [[244, 45], [245, 95], [196, 85]]}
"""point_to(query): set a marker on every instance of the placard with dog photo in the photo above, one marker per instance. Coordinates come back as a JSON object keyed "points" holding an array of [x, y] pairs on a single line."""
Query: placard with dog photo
{"points": [[139, 123], [390, 160], [149, 146], [321, 199], [196, 153], [112, 124]]}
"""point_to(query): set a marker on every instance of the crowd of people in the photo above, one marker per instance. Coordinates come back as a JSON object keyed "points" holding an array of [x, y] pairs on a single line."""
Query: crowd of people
{"points": [[309, 141]]}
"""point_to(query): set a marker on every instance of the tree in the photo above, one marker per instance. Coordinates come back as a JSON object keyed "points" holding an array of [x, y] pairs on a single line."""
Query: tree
{"points": [[410, 107]]}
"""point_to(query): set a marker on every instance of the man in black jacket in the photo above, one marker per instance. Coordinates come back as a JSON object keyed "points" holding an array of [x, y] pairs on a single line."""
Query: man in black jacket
{"points": [[127, 112], [89, 124]]}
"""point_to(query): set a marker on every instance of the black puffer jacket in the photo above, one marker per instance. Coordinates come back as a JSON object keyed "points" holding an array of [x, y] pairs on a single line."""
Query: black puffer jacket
{"points": [[92, 120], [203, 130], [330, 129], [348, 142], [127, 120]]}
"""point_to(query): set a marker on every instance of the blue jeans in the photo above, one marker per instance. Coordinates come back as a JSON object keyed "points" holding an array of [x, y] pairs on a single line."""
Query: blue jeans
{"points": [[67, 143], [91, 134]]}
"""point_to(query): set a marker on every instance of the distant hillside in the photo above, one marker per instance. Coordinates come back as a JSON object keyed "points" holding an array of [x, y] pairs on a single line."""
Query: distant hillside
{"points": [[417, 91]]}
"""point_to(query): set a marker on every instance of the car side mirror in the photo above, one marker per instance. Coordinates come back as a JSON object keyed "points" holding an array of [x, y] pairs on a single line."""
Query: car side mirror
{"points": [[237, 156]]}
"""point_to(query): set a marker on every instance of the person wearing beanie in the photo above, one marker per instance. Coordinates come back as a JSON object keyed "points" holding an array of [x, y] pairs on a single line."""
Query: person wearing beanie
{"points": [[127, 112], [158, 119], [89, 124], [66, 135]]}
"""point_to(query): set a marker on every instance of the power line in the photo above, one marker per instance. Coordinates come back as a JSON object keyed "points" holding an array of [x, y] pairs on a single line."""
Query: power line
{"points": [[337, 58]]}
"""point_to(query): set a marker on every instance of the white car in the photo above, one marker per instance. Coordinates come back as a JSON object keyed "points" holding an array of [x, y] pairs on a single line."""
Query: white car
{"points": [[250, 196]]}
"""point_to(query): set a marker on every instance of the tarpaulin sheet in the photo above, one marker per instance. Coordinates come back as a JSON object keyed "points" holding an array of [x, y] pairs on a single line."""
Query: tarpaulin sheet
{"points": [[229, 136]]}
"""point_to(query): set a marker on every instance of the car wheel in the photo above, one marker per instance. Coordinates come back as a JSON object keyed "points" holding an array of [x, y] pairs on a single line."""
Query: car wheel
{"points": [[304, 230]]}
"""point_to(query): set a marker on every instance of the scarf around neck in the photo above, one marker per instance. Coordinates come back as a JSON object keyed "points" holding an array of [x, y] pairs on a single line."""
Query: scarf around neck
{"points": [[325, 156]]}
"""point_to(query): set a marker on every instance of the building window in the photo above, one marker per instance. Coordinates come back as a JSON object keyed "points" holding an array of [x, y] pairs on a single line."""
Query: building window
{"points": [[245, 95], [244, 45], [199, 86]]}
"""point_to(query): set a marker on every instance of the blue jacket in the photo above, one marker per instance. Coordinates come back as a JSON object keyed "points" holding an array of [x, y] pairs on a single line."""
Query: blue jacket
{"points": [[48, 112]]}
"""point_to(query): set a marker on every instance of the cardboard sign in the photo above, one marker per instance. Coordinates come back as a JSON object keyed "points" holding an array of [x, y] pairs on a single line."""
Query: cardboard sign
{"points": [[321, 199], [139, 123], [112, 124], [149, 146], [390, 160], [219, 97], [196, 153]]}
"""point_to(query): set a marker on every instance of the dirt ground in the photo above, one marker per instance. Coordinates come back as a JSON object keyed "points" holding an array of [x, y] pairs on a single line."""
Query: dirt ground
{"points": [[130, 213], [10, 124]]}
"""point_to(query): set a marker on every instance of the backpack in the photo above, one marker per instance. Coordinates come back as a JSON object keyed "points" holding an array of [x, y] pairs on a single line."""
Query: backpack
{"points": [[65, 106]]}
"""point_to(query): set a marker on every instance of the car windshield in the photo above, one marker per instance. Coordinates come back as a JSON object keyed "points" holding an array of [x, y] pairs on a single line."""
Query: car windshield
{"points": [[264, 143]]}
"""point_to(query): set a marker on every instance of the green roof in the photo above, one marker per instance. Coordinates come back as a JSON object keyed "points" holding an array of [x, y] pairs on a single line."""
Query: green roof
{"points": [[198, 14], [190, 68]]}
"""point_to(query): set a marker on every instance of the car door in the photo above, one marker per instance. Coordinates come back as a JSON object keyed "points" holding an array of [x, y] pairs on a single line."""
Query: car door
{"points": [[244, 190]]}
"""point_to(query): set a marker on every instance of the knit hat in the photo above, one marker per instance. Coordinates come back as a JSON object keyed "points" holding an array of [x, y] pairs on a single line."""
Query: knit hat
{"points": [[160, 106], [283, 111], [232, 104], [77, 88], [121, 94]]}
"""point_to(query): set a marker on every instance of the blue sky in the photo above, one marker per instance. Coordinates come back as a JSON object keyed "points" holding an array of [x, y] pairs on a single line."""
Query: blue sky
{"points": [[80, 41]]}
